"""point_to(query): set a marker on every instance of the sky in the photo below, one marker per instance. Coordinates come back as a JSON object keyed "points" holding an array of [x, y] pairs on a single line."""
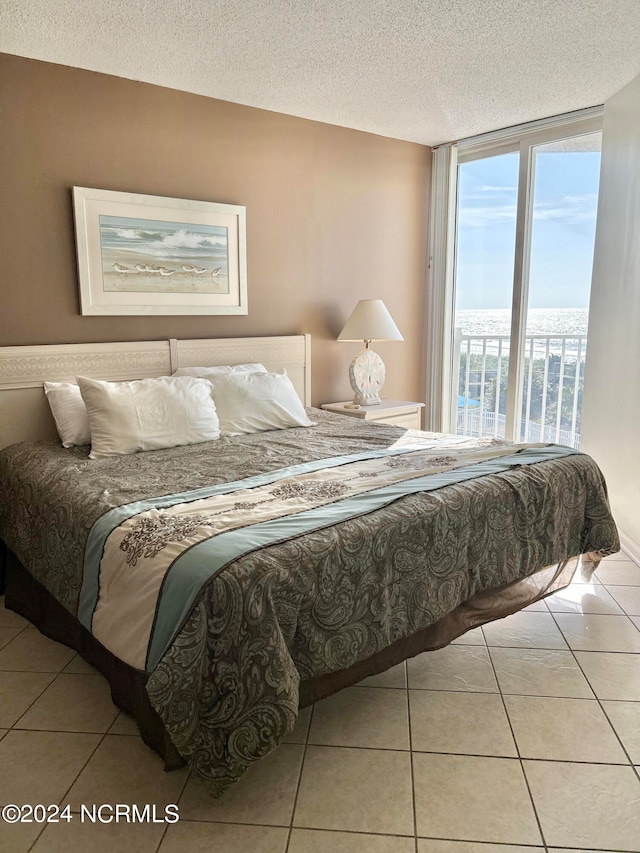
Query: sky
{"points": [[565, 203]]}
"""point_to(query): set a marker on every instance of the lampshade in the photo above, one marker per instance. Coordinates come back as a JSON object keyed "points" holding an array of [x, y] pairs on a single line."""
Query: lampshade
{"points": [[370, 321]]}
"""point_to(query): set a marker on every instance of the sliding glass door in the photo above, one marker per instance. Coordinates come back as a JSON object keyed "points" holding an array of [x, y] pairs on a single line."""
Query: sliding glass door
{"points": [[524, 237], [485, 251]]}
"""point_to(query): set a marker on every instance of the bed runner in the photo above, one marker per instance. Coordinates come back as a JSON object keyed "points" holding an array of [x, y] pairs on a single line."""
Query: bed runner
{"points": [[147, 562]]}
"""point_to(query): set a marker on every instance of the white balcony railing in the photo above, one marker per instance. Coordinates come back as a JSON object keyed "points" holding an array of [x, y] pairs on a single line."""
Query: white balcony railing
{"points": [[552, 392]]}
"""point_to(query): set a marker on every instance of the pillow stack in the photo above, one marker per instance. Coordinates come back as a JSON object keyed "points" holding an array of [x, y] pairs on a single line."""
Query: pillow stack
{"points": [[196, 404]]}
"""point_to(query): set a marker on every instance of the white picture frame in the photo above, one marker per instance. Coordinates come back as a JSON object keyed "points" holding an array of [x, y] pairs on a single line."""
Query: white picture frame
{"points": [[143, 254]]}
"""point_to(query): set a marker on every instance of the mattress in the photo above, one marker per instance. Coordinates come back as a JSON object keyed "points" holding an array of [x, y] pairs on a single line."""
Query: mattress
{"points": [[232, 573]]}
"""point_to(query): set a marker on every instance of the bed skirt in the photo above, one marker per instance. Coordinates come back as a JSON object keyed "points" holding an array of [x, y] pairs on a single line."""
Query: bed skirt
{"points": [[29, 598], [26, 596]]}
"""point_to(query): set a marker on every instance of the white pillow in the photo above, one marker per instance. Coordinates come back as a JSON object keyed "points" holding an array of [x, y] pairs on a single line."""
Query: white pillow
{"points": [[221, 368], [69, 412], [148, 414], [253, 402]]}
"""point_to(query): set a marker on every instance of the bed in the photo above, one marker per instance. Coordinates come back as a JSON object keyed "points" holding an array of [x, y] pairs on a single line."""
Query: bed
{"points": [[222, 586]]}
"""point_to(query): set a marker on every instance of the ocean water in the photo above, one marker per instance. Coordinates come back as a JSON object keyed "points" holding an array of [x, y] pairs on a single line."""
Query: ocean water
{"points": [[540, 321]]}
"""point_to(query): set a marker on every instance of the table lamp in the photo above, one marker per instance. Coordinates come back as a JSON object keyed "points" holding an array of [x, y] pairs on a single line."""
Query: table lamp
{"points": [[369, 321]]}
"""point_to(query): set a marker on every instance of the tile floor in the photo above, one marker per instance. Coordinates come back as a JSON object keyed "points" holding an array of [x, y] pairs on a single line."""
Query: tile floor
{"points": [[521, 737]]}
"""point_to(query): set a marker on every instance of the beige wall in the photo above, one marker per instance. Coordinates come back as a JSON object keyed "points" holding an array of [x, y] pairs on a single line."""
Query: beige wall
{"points": [[611, 407], [333, 215]]}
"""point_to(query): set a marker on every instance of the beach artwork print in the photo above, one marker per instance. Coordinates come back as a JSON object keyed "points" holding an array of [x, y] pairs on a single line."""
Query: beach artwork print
{"points": [[144, 254], [156, 256]]}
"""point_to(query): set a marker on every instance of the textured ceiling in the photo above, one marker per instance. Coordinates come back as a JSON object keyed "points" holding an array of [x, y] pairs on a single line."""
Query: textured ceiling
{"points": [[424, 70]]}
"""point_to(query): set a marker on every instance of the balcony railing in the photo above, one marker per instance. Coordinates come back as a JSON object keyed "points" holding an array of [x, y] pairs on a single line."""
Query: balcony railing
{"points": [[552, 392]]}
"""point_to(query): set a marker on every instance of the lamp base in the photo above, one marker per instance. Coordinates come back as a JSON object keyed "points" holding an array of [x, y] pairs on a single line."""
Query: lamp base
{"points": [[367, 375]]}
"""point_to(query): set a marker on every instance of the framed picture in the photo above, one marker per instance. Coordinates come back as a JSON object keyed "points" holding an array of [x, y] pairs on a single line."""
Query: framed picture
{"points": [[141, 254]]}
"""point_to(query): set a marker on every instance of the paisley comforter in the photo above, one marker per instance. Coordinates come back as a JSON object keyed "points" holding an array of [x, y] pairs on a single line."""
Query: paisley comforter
{"points": [[232, 570]]}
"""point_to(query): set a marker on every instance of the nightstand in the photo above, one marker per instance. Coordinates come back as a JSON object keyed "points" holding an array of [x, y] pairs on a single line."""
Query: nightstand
{"points": [[402, 413]]}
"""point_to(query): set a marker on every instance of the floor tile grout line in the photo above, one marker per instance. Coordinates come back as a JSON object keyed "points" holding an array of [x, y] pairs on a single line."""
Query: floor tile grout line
{"points": [[433, 689], [488, 843], [523, 758], [551, 648], [18, 728], [622, 614], [506, 692], [442, 752], [75, 779], [590, 849], [617, 736], [177, 801], [38, 697], [620, 586], [37, 838], [588, 764], [413, 780], [93, 752], [308, 828], [46, 671], [162, 837], [350, 746], [302, 761], [15, 637], [515, 741], [628, 615], [16, 725]]}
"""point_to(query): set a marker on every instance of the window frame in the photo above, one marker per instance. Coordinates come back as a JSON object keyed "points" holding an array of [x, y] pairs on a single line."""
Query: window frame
{"points": [[440, 298]]}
